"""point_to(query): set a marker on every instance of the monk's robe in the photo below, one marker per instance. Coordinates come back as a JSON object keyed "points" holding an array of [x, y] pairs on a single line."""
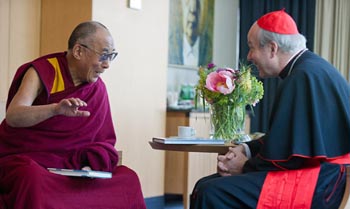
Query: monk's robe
{"points": [[64, 142], [300, 162]]}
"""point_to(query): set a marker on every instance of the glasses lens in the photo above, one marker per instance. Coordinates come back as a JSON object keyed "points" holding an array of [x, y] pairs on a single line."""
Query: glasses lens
{"points": [[104, 57], [113, 55], [110, 57]]}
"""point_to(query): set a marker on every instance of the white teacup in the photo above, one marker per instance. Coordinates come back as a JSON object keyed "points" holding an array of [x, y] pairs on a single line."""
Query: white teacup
{"points": [[185, 131]]}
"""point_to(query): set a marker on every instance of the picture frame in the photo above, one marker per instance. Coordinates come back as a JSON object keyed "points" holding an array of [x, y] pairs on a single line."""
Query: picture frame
{"points": [[191, 27]]}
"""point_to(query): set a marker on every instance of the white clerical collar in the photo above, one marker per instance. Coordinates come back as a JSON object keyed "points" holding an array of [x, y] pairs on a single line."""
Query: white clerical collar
{"points": [[296, 55]]}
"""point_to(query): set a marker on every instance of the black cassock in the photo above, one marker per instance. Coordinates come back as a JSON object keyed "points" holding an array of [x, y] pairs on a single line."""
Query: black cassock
{"points": [[310, 122]]}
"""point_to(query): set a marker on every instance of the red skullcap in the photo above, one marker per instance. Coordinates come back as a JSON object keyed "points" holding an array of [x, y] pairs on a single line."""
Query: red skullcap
{"points": [[278, 22]]}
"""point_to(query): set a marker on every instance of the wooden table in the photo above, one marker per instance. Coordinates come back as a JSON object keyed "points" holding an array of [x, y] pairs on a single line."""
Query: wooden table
{"points": [[188, 163], [203, 159], [208, 148], [197, 160]]}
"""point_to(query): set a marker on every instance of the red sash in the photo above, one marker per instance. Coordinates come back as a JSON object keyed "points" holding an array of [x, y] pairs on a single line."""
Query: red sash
{"points": [[345, 159], [289, 189], [292, 188]]}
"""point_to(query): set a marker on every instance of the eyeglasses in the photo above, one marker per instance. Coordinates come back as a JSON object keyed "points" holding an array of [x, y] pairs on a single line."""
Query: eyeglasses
{"points": [[103, 56]]}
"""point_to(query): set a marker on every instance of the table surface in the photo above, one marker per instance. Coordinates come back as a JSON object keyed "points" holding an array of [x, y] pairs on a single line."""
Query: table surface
{"points": [[213, 148], [209, 148]]}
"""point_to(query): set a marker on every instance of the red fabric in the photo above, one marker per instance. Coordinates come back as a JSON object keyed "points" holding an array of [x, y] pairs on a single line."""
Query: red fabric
{"points": [[345, 159], [278, 22], [26, 184], [64, 142], [293, 188], [289, 189]]}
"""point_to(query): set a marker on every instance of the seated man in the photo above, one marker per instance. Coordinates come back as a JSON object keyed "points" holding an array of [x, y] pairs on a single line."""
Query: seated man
{"points": [[58, 115], [299, 163]]}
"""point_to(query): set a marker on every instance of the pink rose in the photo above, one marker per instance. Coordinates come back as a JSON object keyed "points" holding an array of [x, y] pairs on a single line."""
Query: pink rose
{"points": [[221, 81]]}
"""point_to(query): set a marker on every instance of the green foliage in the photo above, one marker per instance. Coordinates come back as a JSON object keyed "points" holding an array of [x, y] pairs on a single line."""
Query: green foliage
{"points": [[228, 93], [248, 90]]}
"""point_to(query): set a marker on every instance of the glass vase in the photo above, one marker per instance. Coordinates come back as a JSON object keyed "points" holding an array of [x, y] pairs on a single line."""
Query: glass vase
{"points": [[228, 122]]}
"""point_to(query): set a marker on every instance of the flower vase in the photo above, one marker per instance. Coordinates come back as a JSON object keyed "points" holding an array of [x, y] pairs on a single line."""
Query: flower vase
{"points": [[227, 122]]}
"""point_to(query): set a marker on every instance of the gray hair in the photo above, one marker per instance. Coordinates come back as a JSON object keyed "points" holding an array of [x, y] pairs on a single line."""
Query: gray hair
{"points": [[287, 43]]}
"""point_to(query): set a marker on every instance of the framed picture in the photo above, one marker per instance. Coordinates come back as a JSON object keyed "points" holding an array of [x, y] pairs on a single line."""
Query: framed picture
{"points": [[191, 33]]}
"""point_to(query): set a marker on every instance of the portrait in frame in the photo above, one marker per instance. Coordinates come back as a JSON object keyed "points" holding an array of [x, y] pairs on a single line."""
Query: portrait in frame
{"points": [[191, 26]]}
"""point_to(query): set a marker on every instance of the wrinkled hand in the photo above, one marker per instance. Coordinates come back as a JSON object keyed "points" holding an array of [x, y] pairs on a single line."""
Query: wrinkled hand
{"points": [[70, 107], [232, 162]]}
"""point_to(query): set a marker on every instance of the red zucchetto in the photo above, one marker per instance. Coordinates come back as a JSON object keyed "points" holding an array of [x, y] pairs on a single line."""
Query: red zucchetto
{"points": [[278, 22]]}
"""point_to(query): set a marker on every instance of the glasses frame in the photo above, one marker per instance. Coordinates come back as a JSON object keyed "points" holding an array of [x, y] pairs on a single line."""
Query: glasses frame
{"points": [[103, 56]]}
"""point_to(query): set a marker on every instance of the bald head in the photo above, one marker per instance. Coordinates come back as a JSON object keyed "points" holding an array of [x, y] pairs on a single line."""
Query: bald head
{"points": [[84, 31]]}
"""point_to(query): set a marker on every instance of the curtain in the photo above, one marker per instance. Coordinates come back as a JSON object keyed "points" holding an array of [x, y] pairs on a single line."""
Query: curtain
{"points": [[332, 37], [303, 12]]}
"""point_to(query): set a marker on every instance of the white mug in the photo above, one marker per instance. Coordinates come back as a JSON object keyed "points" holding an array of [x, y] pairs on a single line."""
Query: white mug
{"points": [[185, 131]]}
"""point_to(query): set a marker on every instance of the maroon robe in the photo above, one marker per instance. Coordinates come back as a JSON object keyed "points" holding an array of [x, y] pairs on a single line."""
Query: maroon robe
{"points": [[64, 142]]}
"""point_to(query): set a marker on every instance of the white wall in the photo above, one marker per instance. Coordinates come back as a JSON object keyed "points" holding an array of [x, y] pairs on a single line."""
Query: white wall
{"points": [[2, 110], [226, 33], [136, 82]]}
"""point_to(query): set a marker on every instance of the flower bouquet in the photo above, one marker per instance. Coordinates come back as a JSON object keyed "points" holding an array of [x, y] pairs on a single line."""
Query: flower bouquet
{"points": [[228, 92]]}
